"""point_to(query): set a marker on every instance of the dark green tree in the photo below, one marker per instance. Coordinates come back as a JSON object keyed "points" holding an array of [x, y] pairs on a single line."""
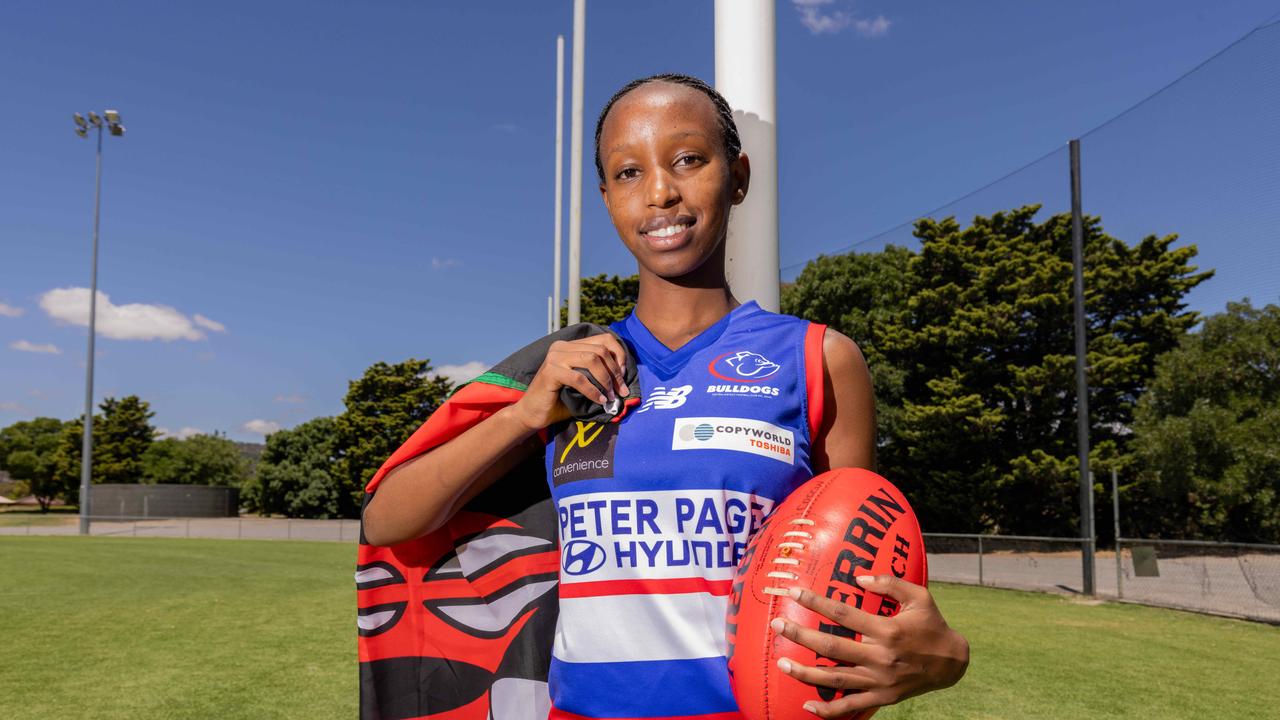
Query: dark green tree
{"points": [[121, 439], [27, 450], [605, 299], [197, 460], [296, 474], [121, 436], [978, 402], [1208, 430], [383, 408]]}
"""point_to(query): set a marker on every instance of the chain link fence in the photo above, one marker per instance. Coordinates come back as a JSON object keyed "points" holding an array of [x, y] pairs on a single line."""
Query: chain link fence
{"points": [[235, 528], [1233, 579]]}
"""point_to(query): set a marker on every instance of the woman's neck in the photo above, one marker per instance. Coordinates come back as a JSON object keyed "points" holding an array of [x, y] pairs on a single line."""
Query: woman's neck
{"points": [[676, 313]]}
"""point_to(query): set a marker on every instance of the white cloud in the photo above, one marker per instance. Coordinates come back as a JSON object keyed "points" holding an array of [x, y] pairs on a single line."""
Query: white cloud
{"points": [[208, 324], [135, 321], [291, 399], [31, 347], [873, 27], [827, 17], [8, 310], [11, 407], [261, 427], [458, 374], [181, 434], [443, 263]]}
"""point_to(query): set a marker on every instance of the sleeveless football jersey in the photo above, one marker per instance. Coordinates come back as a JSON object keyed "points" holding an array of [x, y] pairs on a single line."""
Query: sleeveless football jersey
{"points": [[655, 511]]}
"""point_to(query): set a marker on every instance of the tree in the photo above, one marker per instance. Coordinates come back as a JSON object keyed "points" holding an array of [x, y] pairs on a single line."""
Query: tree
{"points": [[197, 460], [1208, 430], [27, 450], [121, 439], [383, 408], [978, 400], [296, 474], [121, 436], [604, 299]]}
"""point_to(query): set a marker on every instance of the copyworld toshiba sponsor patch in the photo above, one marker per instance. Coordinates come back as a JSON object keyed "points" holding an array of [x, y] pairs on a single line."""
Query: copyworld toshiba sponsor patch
{"points": [[739, 434]]}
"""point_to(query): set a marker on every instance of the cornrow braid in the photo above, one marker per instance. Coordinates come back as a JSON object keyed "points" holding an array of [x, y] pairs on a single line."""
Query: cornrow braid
{"points": [[728, 129]]}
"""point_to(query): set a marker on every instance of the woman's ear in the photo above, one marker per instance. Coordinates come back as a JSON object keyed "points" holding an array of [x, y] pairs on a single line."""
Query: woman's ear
{"points": [[740, 178]]}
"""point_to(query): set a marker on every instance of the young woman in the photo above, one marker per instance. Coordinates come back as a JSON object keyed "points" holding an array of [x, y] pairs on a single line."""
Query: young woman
{"points": [[740, 407]]}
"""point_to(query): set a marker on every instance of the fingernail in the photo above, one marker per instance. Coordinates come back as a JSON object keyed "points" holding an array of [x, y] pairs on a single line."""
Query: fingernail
{"points": [[811, 708], [862, 580], [777, 624], [602, 400], [784, 665], [794, 593], [626, 391]]}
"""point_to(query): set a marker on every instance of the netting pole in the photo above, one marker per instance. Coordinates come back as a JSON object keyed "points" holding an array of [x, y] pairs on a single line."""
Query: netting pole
{"points": [[1082, 382], [1115, 514], [980, 560]]}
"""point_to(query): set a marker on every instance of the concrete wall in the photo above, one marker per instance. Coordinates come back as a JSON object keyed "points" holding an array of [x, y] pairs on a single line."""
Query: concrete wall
{"points": [[128, 500]]}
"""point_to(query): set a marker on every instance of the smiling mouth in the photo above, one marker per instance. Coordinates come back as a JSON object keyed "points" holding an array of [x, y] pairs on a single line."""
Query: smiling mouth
{"points": [[671, 232], [666, 231]]}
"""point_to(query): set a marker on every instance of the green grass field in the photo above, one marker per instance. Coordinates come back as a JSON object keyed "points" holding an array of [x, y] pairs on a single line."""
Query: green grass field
{"points": [[158, 628]]}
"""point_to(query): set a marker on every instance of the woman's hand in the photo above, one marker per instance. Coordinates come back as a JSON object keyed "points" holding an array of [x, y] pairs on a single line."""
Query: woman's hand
{"points": [[601, 355], [910, 653]]}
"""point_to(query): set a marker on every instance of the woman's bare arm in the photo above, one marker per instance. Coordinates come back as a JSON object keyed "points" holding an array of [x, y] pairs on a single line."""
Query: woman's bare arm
{"points": [[847, 437], [420, 495]]}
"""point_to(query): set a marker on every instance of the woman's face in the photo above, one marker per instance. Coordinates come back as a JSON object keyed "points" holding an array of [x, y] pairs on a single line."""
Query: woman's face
{"points": [[667, 183]]}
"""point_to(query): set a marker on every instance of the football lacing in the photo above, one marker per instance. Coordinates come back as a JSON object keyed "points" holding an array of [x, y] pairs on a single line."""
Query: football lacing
{"points": [[785, 549]]}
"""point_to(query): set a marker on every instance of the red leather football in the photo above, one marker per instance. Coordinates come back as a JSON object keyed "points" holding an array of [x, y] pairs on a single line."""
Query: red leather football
{"points": [[840, 524]]}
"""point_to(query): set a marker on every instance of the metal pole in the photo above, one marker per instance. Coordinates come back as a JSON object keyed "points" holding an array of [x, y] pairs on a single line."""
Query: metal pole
{"points": [[86, 446], [1115, 516], [575, 163], [1082, 381], [980, 560], [555, 307], [745, 52]]}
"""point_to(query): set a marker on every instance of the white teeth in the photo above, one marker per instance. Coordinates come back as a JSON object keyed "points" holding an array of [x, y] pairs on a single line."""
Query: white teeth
{"points": [[667, 231]]}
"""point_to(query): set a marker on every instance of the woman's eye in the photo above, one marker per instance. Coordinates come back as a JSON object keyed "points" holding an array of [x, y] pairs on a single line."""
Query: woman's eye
{"points": [[689, 160], [627, 173]]}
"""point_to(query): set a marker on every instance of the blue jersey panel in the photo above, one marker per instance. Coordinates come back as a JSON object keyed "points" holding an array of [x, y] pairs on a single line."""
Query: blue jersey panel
{"points": [[656, 510]]}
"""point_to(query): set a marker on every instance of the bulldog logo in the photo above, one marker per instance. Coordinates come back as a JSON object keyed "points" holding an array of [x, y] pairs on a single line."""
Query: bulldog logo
{"points": [[743, 366]]}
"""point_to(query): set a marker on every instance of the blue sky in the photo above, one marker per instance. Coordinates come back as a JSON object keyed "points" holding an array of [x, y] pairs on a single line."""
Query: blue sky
{"points": [[308, 188]]}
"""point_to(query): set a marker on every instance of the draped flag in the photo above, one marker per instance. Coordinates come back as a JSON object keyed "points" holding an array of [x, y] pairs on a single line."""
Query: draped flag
{"points": [[458, 624]]}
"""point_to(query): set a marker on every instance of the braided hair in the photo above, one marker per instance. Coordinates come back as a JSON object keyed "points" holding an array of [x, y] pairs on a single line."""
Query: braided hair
{"points": [[728, 129]]}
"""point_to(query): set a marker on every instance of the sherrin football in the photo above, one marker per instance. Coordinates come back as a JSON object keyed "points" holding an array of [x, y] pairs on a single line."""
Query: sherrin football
{"points": [[841, 524]]}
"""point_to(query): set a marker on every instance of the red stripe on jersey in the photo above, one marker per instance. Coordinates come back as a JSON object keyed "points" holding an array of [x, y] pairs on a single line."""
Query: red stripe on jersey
{"points": [[673, 586], [815, 385]]}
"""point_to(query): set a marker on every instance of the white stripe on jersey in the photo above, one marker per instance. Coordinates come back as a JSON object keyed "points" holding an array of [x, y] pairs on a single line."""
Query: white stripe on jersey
{"points": [[627, 628]]}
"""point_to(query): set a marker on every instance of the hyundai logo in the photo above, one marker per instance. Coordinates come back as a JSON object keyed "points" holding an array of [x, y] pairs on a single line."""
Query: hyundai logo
{"points": [[582, 557]]}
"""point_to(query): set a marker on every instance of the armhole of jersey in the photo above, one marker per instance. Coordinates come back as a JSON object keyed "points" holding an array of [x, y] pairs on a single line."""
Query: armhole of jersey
{"points": [[814, 384]]}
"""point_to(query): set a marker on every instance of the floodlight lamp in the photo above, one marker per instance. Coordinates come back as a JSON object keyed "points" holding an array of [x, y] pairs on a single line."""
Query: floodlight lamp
{"points": [[80, 121], [112, 116], [94, 120], [82, 132], [117, 130]]}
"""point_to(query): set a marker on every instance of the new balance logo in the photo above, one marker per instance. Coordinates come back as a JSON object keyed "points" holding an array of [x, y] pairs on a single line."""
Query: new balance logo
{"points": [[661, 398]]}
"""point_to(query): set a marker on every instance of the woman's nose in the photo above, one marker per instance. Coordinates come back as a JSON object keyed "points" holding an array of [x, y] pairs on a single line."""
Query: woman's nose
{"points": [[662, 191]]}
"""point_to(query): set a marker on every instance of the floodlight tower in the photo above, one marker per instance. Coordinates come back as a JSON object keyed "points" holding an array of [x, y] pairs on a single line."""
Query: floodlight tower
{"points": [[110, 120]]}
